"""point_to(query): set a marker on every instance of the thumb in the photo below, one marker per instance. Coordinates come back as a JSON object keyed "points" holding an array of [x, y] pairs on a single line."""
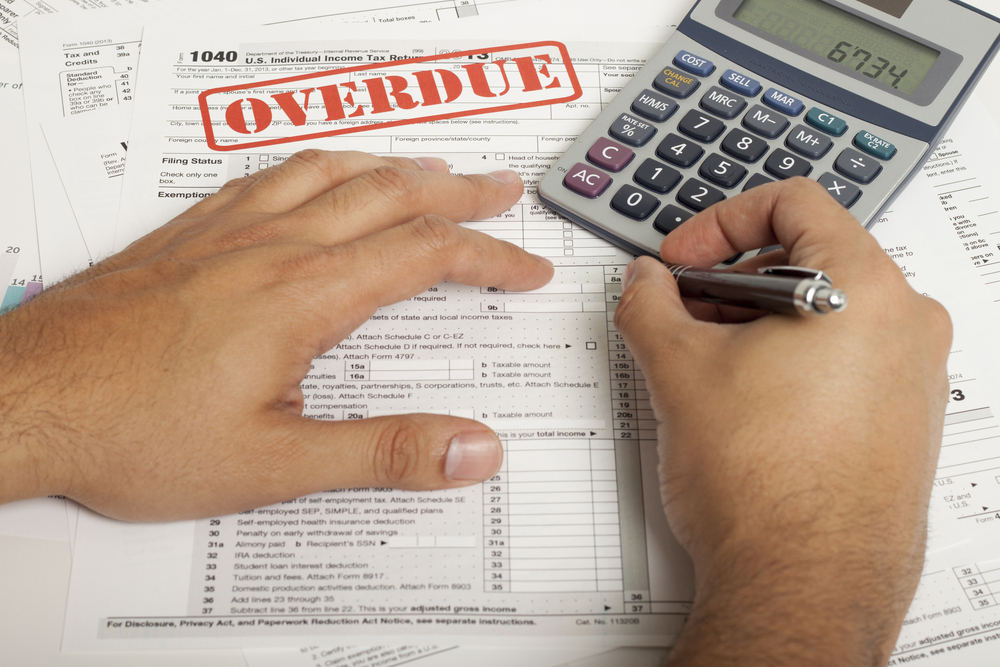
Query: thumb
{"points": [[414, 451], [664, 337]]}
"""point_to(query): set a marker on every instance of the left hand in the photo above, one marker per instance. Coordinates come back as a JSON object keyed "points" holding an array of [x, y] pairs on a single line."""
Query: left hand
{"points": [[163, 383]]}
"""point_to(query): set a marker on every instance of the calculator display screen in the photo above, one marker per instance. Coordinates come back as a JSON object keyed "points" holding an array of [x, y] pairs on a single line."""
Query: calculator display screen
{"points": [[843, 39]]}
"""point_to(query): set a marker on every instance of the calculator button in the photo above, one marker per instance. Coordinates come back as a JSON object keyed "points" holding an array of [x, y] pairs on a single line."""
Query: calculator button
{"points": [[657, 176], [679, 151], [674, 83], [756, 180], [869, 143], [634, 203], [698, 196], [721, 171], [783, 102], [689, 62], [609, 155], [722, 103], [701, 127], [654, 106], [808, 142], [585, 180], [844, 192], [744, 146], [857, 167], [764, 122], [785, 165], [739, 83], [632, 131], [670, 218], [826, 121]]}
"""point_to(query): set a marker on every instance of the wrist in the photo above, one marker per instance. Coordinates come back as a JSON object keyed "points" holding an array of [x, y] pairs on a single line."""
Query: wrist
{"points": [[802, 601], [26, 423]]}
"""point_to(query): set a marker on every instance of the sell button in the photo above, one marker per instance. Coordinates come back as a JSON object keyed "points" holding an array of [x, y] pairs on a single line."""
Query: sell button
{"points": [[871, 144]]}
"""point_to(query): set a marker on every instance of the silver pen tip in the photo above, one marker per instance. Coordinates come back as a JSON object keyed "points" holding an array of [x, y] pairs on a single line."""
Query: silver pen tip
{"points": [[827, 300]]}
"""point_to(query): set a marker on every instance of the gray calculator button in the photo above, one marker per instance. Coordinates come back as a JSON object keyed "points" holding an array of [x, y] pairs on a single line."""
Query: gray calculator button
{"points": [[634, 203], [722, 171], [698, 126], [785, 165], [744, 145], [679, 151], [674, 83], [670, 218], [654, 106], [807, 141], [657, 176], [757, 180], [766, 122], [857, 166], [630, 130], [845, 192], [698, 196], [722, 102]]}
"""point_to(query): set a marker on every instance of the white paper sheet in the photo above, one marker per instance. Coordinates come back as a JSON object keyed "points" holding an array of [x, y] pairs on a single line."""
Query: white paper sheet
{"points": [[574, 312]]}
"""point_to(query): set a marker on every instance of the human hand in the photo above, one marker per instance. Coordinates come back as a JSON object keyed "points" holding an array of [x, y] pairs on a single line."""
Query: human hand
{"points": [[163, 383], [797, 453]]}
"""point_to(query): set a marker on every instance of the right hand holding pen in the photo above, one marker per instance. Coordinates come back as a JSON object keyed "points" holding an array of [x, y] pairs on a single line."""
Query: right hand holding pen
{"points": [[797, 453]]}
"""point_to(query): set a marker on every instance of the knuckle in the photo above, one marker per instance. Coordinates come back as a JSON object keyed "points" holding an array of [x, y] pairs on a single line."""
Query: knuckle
{"points": [[401, 186], [938, 322], [435, 234], [396, 457]]}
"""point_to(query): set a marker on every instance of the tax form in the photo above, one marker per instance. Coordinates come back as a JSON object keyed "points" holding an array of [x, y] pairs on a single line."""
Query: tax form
{"points": [[900, 242], [568, 542], [84, 64]]}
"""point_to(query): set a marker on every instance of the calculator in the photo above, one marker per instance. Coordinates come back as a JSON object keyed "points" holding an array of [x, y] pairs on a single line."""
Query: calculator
{"points": [[855, 95]]}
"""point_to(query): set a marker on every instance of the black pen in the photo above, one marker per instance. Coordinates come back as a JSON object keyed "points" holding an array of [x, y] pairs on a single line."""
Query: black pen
{"points": [[791, 290]]}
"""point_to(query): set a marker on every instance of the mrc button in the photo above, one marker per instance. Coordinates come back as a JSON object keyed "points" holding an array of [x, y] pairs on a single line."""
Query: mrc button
{"points": [[674, 83], [722, 102], [689, 62], [783, 102], [872, 145]]}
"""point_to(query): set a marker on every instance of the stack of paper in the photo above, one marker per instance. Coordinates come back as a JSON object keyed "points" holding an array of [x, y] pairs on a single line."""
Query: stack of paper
{"points": [[564, 554]]}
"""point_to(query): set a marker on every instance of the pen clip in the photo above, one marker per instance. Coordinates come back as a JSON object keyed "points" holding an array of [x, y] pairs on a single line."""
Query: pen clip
{"points": [[795, 272]]}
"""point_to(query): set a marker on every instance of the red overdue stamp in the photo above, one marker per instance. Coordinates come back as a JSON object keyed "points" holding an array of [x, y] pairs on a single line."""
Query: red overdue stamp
{"points": [[365, 98]]}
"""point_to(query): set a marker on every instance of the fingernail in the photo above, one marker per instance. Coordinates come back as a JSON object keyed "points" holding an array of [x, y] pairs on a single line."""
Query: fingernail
{"points": [[473, 456], [432, 164], [629, 275], [505, 176], [542, 260]]}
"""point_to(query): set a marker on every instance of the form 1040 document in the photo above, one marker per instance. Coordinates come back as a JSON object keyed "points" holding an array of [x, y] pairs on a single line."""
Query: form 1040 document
{"points": [[568, 542]]}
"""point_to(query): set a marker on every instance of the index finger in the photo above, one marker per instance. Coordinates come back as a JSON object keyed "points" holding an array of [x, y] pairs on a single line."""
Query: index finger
{"points": [[814, 229]]}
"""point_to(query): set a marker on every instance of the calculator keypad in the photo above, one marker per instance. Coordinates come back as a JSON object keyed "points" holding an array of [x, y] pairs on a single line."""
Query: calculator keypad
{"points": [[679, 153]]}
